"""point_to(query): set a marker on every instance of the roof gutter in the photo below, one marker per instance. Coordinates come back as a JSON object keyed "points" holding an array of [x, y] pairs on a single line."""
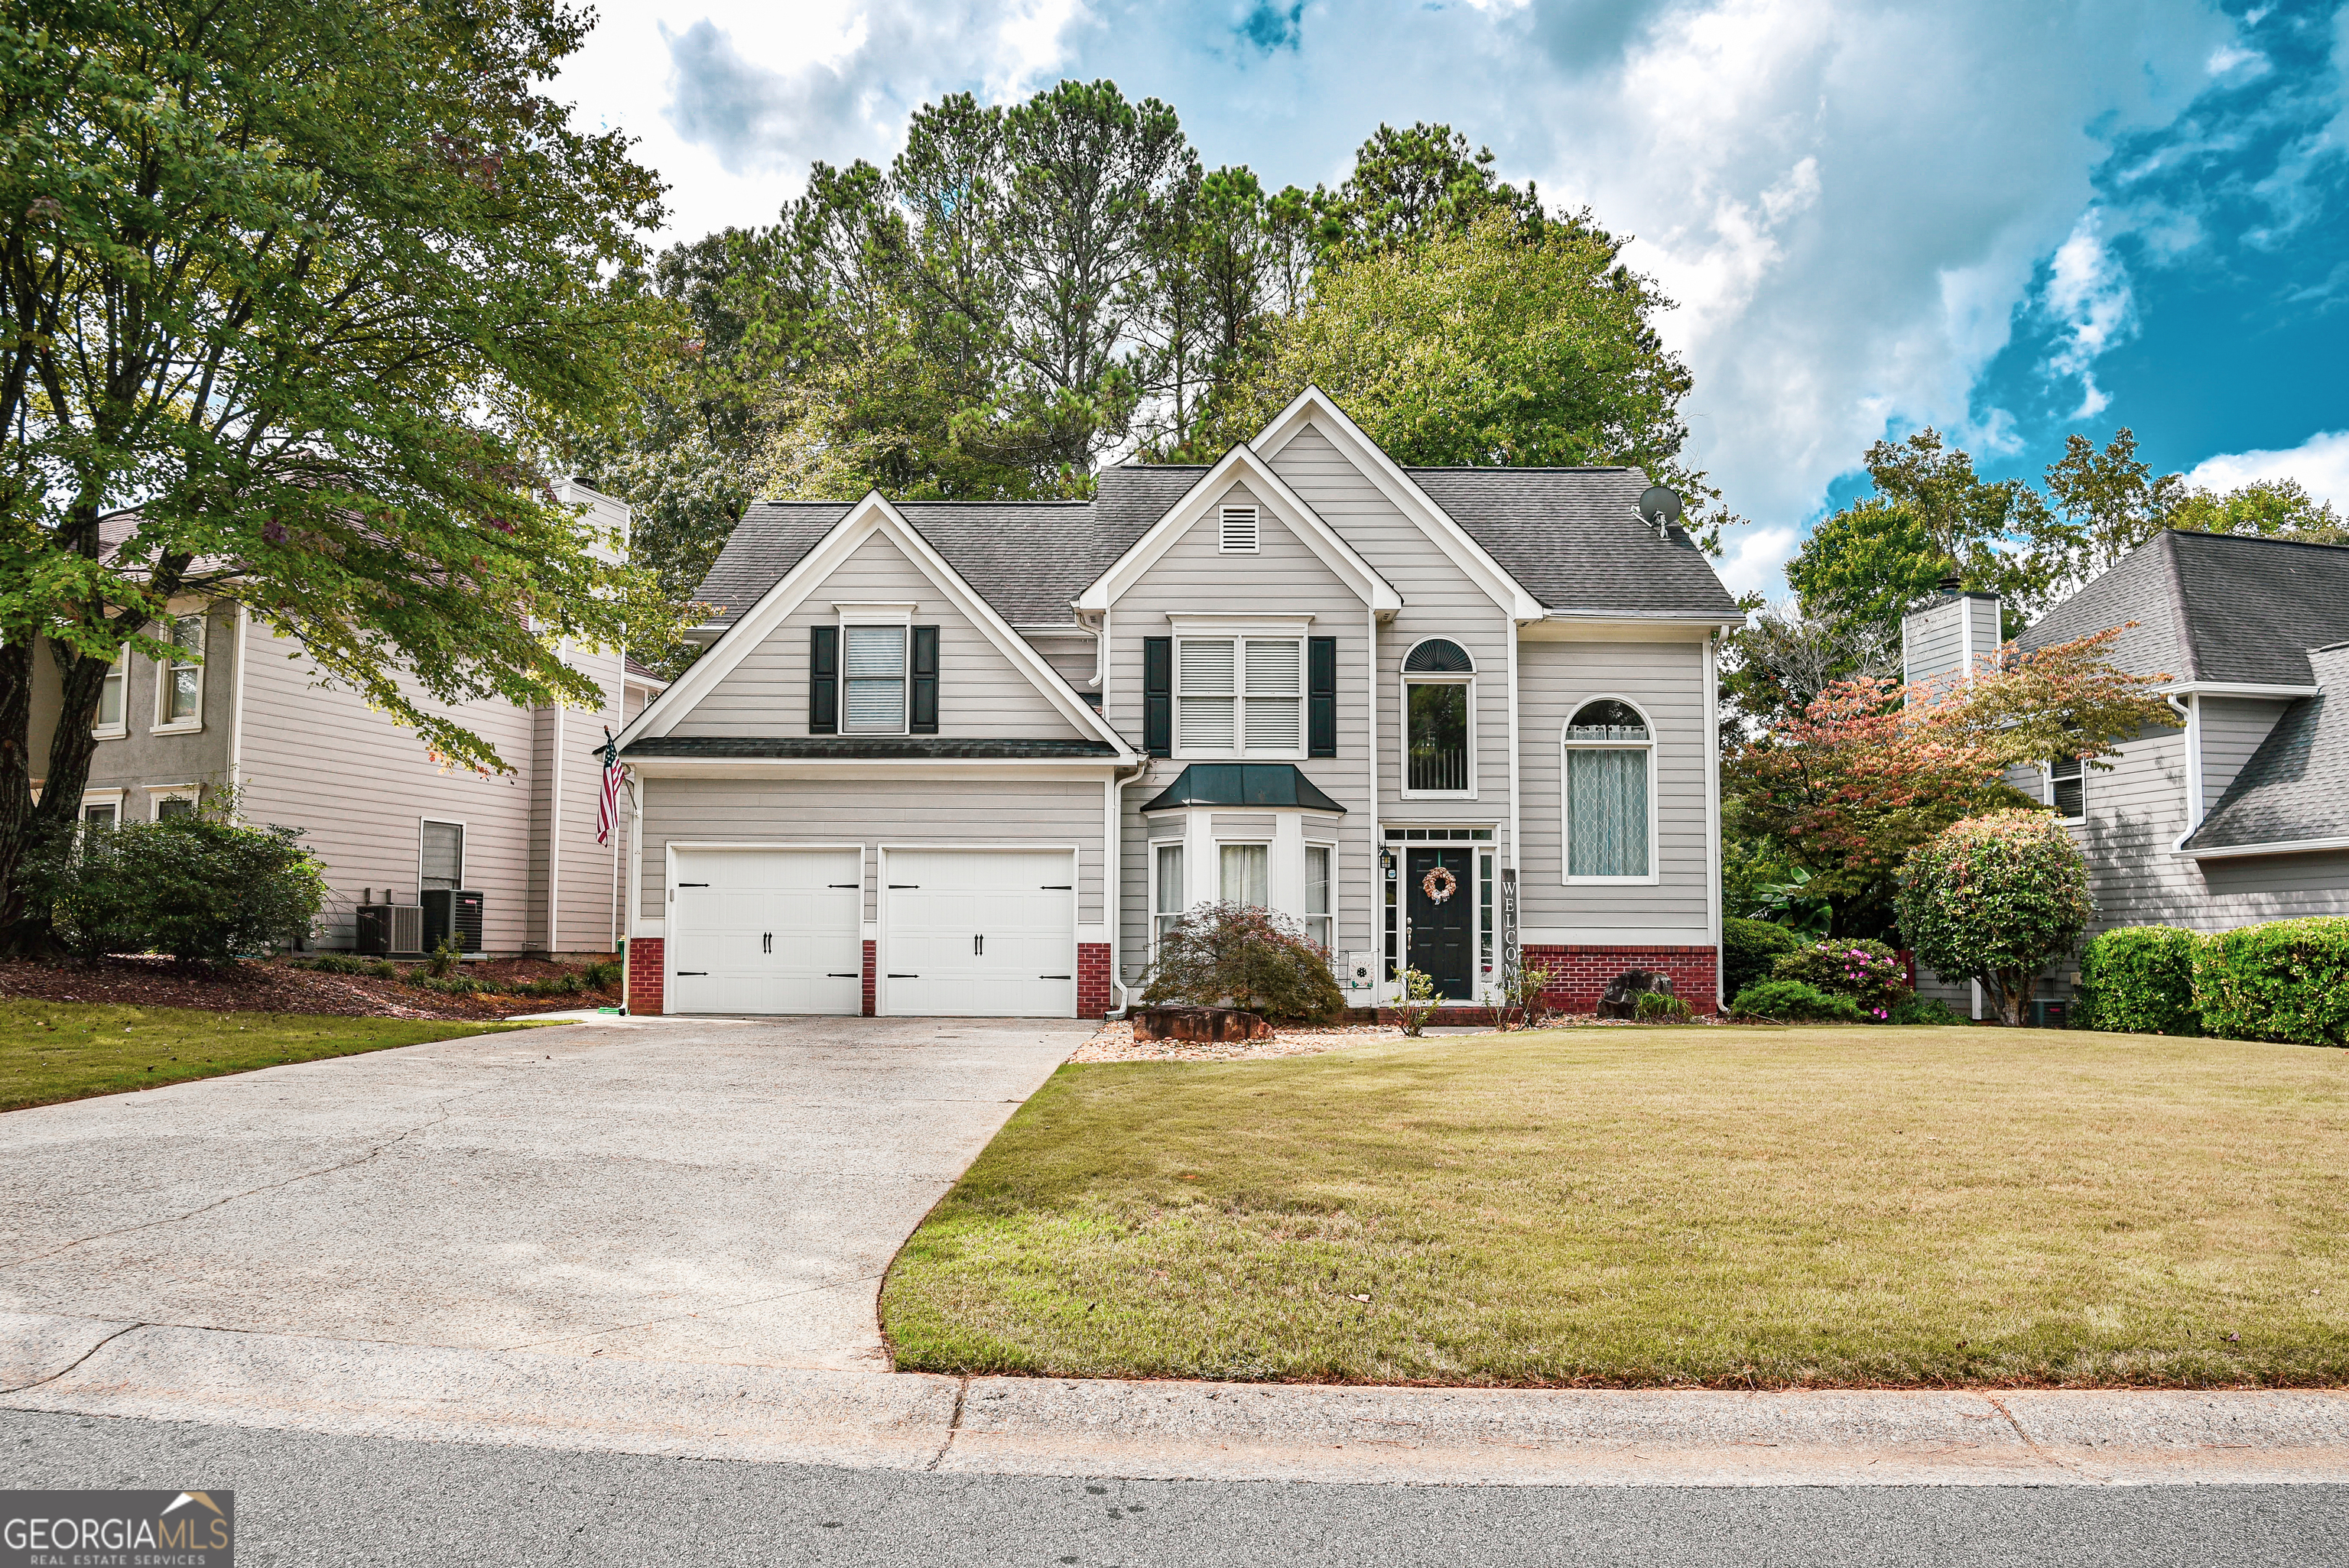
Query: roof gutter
{"points": [[2283, 846], [2237, 688], [1715, 618]]}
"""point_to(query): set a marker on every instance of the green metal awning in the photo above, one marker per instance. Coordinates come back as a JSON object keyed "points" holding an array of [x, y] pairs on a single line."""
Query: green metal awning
{"points": [[1261, 784]]}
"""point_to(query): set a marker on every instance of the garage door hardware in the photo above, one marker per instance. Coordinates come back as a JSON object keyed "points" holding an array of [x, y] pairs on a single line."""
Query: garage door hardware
{"points": [[906, 884], [1059, 887], [896, 976], [766, 942], [683, 973], [846, 975], [979, 946], [693, 884], [1055, 978], [847, 885]]}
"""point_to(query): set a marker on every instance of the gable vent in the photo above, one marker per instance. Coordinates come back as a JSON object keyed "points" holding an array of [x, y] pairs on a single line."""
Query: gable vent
{"points": [[1239, 537]]}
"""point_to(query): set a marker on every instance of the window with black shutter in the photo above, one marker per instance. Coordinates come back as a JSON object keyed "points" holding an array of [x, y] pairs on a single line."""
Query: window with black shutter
{"points": [[1158, 695], [924, 714], [823, 680], [1321, 697]]}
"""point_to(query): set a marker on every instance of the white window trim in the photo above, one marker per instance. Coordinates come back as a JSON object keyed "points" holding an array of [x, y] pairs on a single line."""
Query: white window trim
{"points": [[900, 617], [1337, 883], [100, 798], [2047, 791], [196, 724], [1403, 734], [118, 671], [464, 848], [1564, 797], [1151, 892], [159, 793], [1286, 630]]}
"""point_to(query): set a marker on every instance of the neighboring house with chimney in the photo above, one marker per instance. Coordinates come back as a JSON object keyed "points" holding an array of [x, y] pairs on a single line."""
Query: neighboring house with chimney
{"points": [[2240, 812], [945, 757], [241, 710]]}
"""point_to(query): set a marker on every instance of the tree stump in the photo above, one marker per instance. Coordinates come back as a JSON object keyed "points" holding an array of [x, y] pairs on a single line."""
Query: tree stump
{"points": [[1200, 1025]]}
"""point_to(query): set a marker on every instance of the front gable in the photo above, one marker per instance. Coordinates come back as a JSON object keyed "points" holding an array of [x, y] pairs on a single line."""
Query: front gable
{"points": [[871, 567]]}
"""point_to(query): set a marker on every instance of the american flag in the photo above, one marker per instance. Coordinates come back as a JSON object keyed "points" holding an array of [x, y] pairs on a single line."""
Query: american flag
{"points": [[607, 801]]}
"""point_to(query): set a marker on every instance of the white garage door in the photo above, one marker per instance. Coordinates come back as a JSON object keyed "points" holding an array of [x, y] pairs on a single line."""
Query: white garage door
{"points": [[767, 931], [979, 933]]}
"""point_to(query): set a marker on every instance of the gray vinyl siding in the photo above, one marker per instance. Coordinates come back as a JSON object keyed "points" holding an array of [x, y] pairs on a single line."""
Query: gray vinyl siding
{"points": [[2232, 729], [872, 811], [1932, 640], [2278, 887], [140, 757], [1666, 680], [1286, 576], [982, 694], [359, 786], [1438, 600], [586, 882], [1071, 656]]}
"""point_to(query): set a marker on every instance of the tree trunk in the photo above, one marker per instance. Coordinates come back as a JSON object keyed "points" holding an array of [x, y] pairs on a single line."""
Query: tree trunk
{"points": [[23, 826], [2009, 991]]}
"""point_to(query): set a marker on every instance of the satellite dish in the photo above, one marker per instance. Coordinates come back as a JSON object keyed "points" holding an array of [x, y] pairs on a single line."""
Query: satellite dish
{"points": [[1660, 506]]}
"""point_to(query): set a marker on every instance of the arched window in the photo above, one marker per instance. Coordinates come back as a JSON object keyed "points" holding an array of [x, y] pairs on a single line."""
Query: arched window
{"points": [[1610, 793], [1438, 679]]}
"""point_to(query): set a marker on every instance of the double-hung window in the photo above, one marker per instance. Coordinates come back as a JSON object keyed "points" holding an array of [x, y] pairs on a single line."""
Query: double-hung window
{"points": [[111, 724], [872, 675], [1244, 874], [1320, 886], [179, 696], [1239, 695], [1167, 902], [1610, 795], [2067, 789]]}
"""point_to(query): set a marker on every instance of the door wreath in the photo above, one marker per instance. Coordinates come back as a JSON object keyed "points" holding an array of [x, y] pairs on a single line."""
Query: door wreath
{"points": [[1439, 885]]}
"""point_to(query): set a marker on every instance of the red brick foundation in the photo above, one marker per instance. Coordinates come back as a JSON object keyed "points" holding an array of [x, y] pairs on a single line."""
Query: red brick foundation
{"points": [[1092, 980], [647, 962], [870, 990], [1578, 975]]}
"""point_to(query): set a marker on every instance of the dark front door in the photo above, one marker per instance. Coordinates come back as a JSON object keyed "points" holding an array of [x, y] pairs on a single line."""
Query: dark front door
{"points": [[1443, 929]]}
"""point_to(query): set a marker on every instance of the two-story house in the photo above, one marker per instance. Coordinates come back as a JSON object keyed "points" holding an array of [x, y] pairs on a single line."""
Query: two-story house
{"points": [[241, 712], [2239, 812], [975, 758]]}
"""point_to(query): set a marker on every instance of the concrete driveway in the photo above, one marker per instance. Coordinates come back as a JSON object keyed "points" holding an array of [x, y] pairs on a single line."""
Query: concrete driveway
{"points": [[658, 1190]]}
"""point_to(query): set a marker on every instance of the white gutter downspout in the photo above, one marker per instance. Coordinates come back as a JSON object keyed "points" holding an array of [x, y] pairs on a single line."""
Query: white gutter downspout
{"points": [[1712, 812], [236, 704], [1517, 630], [1113, 877], [1378, 844], [2191, 709]]}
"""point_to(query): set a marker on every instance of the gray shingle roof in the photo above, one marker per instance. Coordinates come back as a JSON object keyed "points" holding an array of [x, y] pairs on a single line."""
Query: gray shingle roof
{"points": [[2295, 786], [1572, 537], [2212, 607]]}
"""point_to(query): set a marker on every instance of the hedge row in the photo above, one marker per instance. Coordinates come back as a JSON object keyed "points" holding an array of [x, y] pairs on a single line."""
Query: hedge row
{"points": [[2287, 980]]}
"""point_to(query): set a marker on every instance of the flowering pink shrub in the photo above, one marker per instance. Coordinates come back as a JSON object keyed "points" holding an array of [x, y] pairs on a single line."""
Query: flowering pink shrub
{"points": [[1867, 971]]}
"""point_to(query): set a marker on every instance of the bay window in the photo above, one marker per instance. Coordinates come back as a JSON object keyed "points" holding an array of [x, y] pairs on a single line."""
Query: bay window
{"points": [[1319, 886], [1244, 874], [1609, 794], [1167, 902]]}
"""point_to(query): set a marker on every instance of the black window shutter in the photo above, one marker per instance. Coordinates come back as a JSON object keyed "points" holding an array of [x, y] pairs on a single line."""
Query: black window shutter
{"points": [[1322, 707], [823, 680], [1158, 695], [923, 718]]}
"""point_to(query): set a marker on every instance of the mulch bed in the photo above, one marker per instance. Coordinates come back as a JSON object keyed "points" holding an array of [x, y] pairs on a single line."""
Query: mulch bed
{"points": [[276, 987]]}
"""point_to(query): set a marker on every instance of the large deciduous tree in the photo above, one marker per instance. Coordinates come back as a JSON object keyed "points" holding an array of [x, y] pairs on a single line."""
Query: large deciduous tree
{"points": [[283, 290]]}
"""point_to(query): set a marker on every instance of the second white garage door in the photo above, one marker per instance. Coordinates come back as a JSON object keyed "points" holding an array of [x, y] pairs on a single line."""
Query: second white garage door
{"points": [[979, 933], [767, 931]]}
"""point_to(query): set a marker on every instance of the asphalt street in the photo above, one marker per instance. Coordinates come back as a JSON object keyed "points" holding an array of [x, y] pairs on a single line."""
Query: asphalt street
{"points": [[303, 1498]]}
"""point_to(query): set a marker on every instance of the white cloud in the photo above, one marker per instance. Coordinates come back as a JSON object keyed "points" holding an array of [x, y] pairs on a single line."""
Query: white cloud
{"points": [[1850, 199], [2321, 463], [2088, 291]]}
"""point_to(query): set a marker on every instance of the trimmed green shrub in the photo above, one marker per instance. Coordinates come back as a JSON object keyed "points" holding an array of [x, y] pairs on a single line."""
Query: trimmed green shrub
{"points": [[1994, 898], [2286, 980], [452, 985], [338, 964], [204, 891], [603, 974], [1926, 1010], [1795, 1002], [1865, 970], [1658, 1007], [1237, 956], [1748, 948], [552, 986], [2139, 980]]}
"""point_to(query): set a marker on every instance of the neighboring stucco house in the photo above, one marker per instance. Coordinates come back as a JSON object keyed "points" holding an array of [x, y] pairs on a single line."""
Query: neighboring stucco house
{"points": [[242, 713], [972, 758], [2240, 812]]}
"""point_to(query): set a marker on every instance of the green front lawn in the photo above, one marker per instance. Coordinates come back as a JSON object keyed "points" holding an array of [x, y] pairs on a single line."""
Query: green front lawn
{"points": [[1726, 1206], [51, 1051]]}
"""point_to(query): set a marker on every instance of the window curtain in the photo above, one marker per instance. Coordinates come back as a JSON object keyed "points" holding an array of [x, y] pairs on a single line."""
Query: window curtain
{"points": [[1245, 874], [1606, 812]]}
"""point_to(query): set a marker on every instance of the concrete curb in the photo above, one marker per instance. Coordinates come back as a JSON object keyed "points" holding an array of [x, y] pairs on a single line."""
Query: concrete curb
{"points": [[1014, 1426]]}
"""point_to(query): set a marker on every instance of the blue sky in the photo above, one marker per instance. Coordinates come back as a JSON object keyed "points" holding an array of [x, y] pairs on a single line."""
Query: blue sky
{"points": [[2014, 220]]}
